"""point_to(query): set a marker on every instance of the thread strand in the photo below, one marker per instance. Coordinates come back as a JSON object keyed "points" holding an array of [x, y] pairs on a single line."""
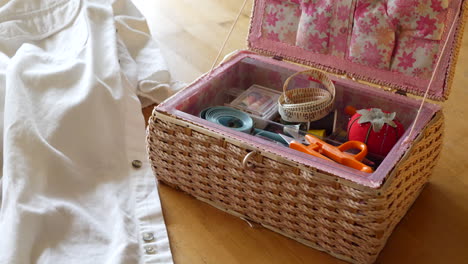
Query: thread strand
{"points": [[436, 67], [228, 36]]}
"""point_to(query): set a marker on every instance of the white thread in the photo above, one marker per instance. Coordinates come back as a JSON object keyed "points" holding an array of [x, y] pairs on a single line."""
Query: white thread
{"points": [[436, 67], [229, 35], [248, 222]]}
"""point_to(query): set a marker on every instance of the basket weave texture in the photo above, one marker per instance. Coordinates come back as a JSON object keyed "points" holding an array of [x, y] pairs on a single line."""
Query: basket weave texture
{"points": [[347, 221]]}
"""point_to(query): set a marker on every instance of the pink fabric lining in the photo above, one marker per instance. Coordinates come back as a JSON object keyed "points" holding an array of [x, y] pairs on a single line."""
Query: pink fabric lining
{"points": [[414, 79], [373, 180], [281, 22], [372, 45]]}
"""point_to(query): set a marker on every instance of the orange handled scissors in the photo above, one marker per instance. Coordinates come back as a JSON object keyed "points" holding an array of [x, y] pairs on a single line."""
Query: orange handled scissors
{"points": [[319, 148]]}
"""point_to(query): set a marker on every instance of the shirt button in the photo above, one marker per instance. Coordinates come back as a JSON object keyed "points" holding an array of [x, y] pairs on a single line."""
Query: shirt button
{"points": [[150, 250], [148, 237], [137, 164]]}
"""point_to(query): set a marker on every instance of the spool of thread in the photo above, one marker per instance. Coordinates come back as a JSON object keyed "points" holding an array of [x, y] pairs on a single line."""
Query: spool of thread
{"points": [[318, 132], [350, 110], [228, 117]]}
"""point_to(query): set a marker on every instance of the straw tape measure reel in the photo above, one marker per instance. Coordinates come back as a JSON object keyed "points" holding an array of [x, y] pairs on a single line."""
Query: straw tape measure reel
{"points": [[307, 104]]}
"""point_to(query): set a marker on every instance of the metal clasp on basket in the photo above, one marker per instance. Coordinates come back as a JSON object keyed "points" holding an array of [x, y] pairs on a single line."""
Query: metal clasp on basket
{"points": [[245, 163]]}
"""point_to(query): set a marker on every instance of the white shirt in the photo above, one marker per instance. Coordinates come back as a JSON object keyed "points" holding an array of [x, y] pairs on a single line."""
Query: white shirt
{"points": [[70, 73]]}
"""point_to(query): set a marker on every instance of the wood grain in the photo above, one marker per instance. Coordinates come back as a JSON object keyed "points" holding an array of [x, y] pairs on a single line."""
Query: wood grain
{"points": [[435, 230]]}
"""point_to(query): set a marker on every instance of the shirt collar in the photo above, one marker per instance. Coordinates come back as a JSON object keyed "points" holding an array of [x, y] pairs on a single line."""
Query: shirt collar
{"points": [[35, 19]]}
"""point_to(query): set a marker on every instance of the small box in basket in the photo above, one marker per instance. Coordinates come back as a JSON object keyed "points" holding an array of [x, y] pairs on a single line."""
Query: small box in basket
{"points": [[373, 51]]}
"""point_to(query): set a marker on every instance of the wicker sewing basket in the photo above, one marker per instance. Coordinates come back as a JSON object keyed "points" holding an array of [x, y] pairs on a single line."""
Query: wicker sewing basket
{"points": [[345, 218]]}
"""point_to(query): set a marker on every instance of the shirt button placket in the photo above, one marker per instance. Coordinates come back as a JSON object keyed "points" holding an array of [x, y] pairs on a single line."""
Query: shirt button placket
{"points": [[150, 250], [148, 237], [137, 164]]}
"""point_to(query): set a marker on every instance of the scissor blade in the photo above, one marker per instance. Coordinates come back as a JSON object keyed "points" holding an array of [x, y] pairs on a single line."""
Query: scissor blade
{"points": [[287, 139], [294, 132]]}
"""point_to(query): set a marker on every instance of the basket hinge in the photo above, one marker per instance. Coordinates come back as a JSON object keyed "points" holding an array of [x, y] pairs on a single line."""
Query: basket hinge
{"points": [[395, 91], [278, 58], [400, 92], [392, 90]]}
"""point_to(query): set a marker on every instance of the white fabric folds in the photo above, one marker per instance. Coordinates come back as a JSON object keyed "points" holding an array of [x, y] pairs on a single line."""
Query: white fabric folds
{"points": [[76, 186]]}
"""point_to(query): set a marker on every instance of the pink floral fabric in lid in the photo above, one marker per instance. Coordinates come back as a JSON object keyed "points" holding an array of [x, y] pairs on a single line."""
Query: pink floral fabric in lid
{"points": [[281, 21], [421, 26], [373, 36], [394, 43], [324, 26]]}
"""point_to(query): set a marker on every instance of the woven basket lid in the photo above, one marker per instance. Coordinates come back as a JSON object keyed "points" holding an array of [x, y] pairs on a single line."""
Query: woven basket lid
{"points": [[393, 45]]}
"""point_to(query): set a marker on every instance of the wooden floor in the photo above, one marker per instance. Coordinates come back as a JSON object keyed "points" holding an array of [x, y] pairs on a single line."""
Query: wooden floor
{"points": [[435, 230]]}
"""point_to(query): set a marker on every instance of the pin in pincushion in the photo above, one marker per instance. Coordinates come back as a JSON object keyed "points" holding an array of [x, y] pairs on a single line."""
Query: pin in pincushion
{"points": [[377, 129]]}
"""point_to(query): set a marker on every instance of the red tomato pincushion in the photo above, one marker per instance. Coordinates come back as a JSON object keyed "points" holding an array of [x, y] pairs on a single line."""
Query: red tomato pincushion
{"points": [[377, 129]]}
